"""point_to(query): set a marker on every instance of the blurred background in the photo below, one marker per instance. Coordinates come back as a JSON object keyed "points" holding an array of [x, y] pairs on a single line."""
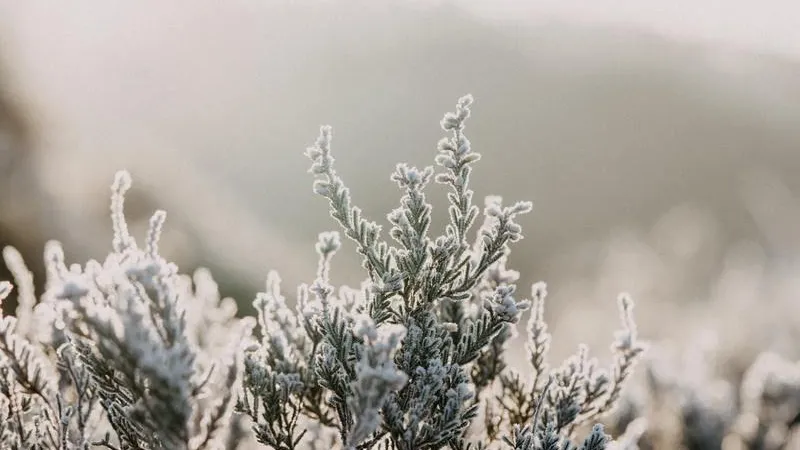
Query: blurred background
{"points": [[659, 142]]}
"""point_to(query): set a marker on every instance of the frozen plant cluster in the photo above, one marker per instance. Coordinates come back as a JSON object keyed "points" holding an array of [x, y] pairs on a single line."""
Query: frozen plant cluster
{"points": [[130, 354], [706, 411], [126, 353]]}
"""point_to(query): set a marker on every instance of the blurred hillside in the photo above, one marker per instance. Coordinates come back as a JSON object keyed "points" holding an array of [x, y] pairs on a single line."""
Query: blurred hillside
{"points": [[647, 159]]}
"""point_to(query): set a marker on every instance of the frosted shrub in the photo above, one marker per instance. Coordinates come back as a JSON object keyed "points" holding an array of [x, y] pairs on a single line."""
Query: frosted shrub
{"points": [[121, 360], [129, 354]]}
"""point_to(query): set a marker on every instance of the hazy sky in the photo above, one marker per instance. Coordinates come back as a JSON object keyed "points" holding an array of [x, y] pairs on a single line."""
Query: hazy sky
{"points": [[765, 25], [769, 25]]}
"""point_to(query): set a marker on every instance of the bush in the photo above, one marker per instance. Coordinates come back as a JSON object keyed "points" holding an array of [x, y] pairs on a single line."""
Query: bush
{"points": [[130, 354]]}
